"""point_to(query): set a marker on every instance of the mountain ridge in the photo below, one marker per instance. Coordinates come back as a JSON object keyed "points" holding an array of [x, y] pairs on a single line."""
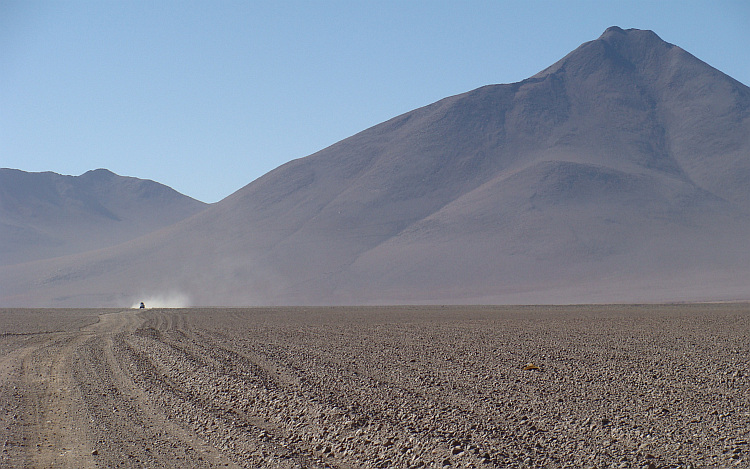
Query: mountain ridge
{"points": [[616, 174], [46, 214]]}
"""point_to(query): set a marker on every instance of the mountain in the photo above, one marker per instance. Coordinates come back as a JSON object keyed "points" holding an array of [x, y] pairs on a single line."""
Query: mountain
{"points": [[618, 174], [45, 215]]}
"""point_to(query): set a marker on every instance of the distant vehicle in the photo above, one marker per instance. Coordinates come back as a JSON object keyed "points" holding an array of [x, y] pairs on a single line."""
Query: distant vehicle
{"points": [[142, 305]]}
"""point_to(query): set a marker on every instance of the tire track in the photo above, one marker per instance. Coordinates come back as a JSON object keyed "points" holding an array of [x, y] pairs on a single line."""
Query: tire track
{"points": [[196, 388], [67, 401]]}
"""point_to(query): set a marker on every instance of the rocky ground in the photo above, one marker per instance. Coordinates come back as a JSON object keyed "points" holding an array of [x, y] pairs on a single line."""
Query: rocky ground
{"points": [[612, 386]]}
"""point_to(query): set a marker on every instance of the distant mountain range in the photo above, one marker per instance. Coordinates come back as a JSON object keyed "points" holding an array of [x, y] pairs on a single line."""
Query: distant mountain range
{"points": [[618, 174], [46, 215]]}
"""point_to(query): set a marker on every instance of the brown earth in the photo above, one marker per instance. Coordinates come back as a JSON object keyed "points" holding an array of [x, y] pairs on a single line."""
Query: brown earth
{"points": [[618, 386]]}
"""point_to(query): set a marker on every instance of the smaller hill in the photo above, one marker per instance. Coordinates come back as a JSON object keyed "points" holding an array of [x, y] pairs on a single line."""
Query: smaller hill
{"points": [[45, 215]]}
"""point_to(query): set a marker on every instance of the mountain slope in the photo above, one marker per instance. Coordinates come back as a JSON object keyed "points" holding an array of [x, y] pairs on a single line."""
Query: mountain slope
{"points": [[617, 174], [46, 215]]}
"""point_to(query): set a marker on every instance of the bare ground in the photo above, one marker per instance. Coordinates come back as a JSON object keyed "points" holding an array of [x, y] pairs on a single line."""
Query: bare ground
{"points": [[618, 386]]}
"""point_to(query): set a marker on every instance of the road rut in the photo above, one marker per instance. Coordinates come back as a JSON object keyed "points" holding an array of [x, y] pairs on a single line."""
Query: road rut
{"points": [[68, 403]]}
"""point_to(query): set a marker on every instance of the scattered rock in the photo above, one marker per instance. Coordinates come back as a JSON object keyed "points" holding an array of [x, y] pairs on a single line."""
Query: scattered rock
{"points": [[272, 392]]}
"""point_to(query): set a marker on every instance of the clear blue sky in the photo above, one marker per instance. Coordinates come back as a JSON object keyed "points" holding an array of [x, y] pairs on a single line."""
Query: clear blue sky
{"points": [[206, 96]]}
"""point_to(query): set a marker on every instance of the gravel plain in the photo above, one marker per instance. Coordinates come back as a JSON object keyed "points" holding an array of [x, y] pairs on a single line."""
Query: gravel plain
{"points": [[631, 386]]}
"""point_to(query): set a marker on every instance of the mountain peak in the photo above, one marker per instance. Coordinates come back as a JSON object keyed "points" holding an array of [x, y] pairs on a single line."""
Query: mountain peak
{"points": [[100, 173], [639, 38], [613, 30], [616, 31], [624, 49]]}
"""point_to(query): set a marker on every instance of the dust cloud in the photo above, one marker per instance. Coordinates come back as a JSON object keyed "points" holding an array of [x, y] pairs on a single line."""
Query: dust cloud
{"points": [[166, 300]]}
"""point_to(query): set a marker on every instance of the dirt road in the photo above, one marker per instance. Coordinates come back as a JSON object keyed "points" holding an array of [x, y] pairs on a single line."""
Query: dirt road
{"points": [[66, 402], [617, 386]]}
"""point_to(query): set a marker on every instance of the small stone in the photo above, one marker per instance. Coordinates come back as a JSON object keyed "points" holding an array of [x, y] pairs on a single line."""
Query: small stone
{"points": [[95, 453]]}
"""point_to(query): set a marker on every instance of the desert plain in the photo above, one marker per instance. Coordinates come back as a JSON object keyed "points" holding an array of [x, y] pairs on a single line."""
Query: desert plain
{"points": [[660, 386]]}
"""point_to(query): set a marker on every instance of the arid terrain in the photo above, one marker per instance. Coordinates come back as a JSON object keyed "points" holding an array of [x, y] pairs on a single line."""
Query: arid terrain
{"points": [[617, 386]]}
